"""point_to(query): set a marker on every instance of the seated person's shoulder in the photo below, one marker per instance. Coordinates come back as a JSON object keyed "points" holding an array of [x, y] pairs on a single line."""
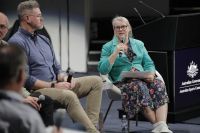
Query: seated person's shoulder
{"points": [[137, 42], [19, 111], [21, 117], [108, 45], [17, 39]]}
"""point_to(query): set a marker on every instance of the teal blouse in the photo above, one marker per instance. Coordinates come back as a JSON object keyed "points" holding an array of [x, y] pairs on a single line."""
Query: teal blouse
{"points": [[141, 62]]}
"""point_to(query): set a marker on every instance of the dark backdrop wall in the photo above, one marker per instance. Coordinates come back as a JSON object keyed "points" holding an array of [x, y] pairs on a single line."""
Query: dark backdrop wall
{"points": [[110, 8], [55, 14]]}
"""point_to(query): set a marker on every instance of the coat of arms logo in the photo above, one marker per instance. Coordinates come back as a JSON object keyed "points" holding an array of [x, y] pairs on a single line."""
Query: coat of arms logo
{"points": [[192, 70]]}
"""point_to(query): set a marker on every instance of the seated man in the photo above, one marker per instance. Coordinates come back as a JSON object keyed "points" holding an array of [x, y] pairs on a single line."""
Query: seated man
{"points": [[15, 116], [3, 28], [45, 74], [47, 108]]}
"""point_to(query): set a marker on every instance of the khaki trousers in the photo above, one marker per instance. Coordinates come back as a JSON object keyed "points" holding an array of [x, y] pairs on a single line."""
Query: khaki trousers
{"points": [[88, 86]]}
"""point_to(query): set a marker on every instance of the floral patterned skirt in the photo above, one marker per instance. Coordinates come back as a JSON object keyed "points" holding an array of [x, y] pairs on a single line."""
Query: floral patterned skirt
{"points": [[137, 94]]}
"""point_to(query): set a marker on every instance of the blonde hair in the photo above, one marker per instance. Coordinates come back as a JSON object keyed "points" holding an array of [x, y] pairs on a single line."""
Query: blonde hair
{"points": [[122, 19]]}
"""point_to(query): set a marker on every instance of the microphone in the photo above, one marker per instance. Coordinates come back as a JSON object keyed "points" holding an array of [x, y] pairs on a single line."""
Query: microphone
{"points": [[144, 4], [121, 51], [40, 99], [135, 9], [70, 75], [58, 117], [34, 36]]}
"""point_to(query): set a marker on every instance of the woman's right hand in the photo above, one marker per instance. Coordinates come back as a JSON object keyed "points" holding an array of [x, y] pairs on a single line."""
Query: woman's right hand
{"points": [[150, 78], [120, 47]]}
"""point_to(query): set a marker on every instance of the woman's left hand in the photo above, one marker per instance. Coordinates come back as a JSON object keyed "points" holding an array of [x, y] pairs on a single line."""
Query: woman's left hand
{"points": [[150, 78]]}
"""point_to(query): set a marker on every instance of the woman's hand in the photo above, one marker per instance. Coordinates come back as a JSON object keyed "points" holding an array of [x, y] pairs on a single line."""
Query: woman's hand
{"points": [[120, 47], [150, 78]]}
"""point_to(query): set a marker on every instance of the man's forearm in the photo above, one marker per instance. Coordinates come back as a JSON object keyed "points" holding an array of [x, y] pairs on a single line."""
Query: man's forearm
{"points": [[39, 84]]}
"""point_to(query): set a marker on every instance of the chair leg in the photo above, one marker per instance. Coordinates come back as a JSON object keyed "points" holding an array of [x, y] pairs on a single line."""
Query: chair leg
{"points": [[137, 109], [104, 119]]}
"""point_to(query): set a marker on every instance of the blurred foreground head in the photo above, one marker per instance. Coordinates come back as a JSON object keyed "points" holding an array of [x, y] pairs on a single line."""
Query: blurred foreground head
{"points": [[3, 25], [12, 67]]}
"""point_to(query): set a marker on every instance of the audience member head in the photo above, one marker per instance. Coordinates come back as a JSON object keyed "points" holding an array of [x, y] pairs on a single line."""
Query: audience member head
{"points": [[121, 27], [3, 25], [12, 67], [30, 15]]}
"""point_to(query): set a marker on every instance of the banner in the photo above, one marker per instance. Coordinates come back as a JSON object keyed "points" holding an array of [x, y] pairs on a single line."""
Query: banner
{"points": [[187, 78]]}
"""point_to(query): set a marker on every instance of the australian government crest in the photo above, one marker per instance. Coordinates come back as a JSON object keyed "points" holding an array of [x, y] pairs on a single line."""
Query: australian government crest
{"points": [[192, 70]]}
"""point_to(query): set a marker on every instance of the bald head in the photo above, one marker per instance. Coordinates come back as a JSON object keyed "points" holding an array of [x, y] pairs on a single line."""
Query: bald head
{"points": [[3, 25]]}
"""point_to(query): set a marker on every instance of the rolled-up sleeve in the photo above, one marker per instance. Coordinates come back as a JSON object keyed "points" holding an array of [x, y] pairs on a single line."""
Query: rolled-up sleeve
{"points": [[30, 81], [104, 65]]}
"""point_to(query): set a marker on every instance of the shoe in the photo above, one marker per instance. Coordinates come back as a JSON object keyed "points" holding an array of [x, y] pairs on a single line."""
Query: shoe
{"points": [[157, 127], [164, 129], [161, 127]]}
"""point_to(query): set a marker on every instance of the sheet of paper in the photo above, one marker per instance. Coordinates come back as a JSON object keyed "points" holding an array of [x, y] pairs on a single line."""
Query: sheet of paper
{"points": [[137, 74]]}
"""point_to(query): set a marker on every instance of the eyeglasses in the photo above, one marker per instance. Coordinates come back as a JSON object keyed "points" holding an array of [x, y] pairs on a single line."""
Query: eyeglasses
{"points": [[123, 27], [2, 26], [37, 16]]}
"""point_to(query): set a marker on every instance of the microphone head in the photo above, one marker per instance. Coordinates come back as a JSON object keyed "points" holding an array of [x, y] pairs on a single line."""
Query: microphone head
{"points": [[123, 39], [58, 117], [41, 98]]}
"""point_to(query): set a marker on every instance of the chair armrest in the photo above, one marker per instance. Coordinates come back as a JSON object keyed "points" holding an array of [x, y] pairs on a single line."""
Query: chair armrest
{"points": [[113, 92], [105, 78]]}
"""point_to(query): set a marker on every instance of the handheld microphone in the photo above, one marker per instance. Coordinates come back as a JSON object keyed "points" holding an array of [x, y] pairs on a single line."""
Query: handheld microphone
{"points": [[58, 117], [40, 99], [121, 51], [70, 75], [137, 12], [144, 4]]}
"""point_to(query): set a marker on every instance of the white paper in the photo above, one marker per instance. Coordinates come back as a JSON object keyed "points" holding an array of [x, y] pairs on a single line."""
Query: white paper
{"points": [[136, 74]]}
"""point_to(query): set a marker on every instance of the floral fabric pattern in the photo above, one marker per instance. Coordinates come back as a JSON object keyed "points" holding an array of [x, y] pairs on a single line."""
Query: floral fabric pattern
{"points": [[130, 54], [137, 94]]}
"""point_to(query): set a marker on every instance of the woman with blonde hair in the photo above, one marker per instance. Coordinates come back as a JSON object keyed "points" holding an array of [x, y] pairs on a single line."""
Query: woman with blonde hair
{"points": [[127, 54]]}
